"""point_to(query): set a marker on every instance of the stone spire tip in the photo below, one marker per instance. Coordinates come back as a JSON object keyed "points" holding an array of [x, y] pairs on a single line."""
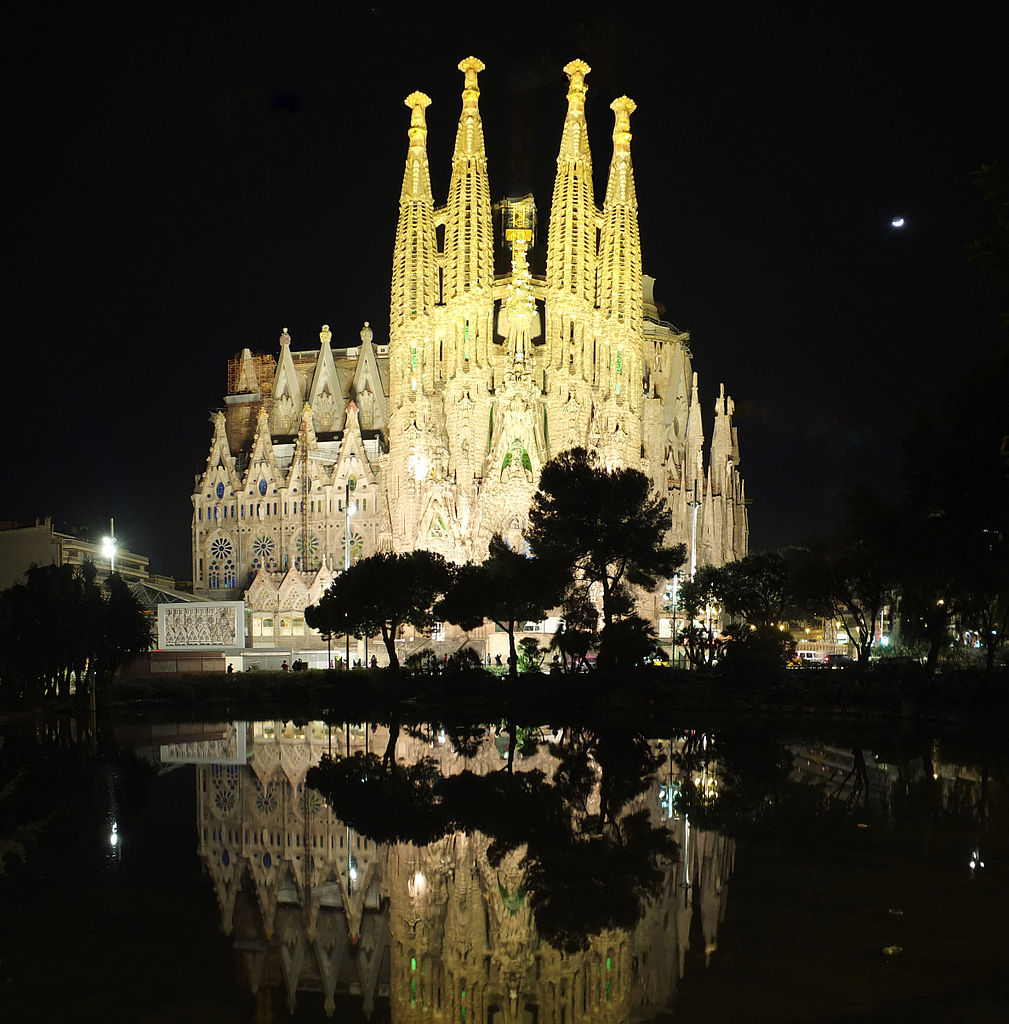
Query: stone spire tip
{"points": [[471, 66], [623, 105], [418, 102]]}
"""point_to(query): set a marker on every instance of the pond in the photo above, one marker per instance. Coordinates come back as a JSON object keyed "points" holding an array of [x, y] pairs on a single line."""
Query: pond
{"points": [[492, 873]]}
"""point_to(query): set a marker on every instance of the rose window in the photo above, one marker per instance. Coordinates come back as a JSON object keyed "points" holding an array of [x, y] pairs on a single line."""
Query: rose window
{"points": [[221, 549], [263, 547], [356, 545], [225, 783], [266, 797], [307, 559]]}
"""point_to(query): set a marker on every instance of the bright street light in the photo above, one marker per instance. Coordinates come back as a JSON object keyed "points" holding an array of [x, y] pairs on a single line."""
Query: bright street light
{"points": [[109, 546]]}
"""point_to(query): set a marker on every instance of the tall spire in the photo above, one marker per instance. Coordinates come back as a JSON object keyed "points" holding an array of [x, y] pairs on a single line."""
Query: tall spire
{"points": [[620, 244], [571, 238], [469, 254], [414, 270]]}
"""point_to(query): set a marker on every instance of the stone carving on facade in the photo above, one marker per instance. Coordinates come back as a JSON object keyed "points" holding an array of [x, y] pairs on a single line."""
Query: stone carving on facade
{"points": [[200, 625]]}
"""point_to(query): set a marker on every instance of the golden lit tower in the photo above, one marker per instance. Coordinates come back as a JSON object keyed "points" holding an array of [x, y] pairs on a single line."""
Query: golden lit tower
{"points": [[469, 251], [620, 369], [414, 261], [571, 238]]}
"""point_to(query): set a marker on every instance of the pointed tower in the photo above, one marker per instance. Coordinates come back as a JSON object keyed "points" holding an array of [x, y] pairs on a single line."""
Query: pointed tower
{"points": [[721, 443], [326, 395], [414, 262], [469, 254], [619, 289], [571, 238], [620, 364], [288, 395], [693, 461]]}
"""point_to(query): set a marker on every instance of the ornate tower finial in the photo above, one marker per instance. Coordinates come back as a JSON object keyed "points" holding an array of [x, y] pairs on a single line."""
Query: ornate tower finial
{"points": [[622, 107], [576, 70], [366, 333], [325, 335], [285, 338], [418, 102], [471, 67]]}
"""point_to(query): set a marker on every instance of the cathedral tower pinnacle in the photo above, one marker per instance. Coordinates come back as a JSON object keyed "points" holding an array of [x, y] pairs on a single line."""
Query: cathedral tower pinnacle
{"points": [[619, 295], [414, 267], [572, 233], [469, 254]]}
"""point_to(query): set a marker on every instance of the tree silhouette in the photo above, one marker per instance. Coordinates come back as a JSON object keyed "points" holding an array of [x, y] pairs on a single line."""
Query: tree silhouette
{"points": [[507, 588], [381, 593], [605, 531]]}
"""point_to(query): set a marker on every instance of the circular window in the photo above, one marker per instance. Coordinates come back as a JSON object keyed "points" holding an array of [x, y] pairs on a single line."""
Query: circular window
{"points": [[221, 548], [356, 546]]}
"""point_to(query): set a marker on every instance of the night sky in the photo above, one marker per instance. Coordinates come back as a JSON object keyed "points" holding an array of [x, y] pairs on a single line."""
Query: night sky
{"points": [[188, 180]]}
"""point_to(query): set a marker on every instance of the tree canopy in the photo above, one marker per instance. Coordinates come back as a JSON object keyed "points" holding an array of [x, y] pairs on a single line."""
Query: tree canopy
{"points": [[381, 593], [604, 531], [62, 628], [506, 588]]}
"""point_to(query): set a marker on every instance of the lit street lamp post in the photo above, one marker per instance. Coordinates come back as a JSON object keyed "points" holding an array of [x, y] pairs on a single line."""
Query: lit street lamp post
{"points": [[109, 546], [346, 554]]}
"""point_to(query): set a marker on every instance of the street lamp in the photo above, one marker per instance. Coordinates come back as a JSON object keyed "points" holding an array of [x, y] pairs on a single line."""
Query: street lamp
{"points": [[346, 552], [693, 506], [109, 546]]}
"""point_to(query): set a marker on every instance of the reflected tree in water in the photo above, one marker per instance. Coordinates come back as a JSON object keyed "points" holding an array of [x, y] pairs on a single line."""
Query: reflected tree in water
{"points": [[592, 858]]}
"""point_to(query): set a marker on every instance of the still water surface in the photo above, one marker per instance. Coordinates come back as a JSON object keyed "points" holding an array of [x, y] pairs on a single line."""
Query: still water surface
{"points": [[191, 873]]}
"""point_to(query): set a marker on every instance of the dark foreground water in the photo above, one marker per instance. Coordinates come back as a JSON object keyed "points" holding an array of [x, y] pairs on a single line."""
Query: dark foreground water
{"points": [[191, 873]]}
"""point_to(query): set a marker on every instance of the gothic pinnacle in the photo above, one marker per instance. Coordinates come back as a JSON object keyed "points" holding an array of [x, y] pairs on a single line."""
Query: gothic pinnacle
{"points": [[576, 70], [471, 67], [418, 102], [622, 108]]}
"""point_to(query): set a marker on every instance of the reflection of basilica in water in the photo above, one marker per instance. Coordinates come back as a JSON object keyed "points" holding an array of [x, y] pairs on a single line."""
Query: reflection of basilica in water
{"points": [[317, 911]]}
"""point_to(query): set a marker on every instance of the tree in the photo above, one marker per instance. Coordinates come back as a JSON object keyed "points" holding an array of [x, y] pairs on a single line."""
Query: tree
{"points": [[761, 589], [627, 643], [990, 254], [854, 575], [507, 588], [699, 598], [382, 593], [955, 465], [603, 530], [61, 626]]}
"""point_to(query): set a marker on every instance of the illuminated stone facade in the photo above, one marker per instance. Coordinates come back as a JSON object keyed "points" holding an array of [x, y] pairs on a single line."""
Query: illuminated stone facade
{"points": [[438, 437], [315, 909]]}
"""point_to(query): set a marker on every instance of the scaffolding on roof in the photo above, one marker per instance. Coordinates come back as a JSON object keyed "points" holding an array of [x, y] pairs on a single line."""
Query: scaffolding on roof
{"points": [[264, 368]]}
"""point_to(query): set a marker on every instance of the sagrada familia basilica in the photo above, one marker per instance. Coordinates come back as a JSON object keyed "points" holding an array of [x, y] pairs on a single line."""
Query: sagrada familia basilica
{"points": [[435, 438]]}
